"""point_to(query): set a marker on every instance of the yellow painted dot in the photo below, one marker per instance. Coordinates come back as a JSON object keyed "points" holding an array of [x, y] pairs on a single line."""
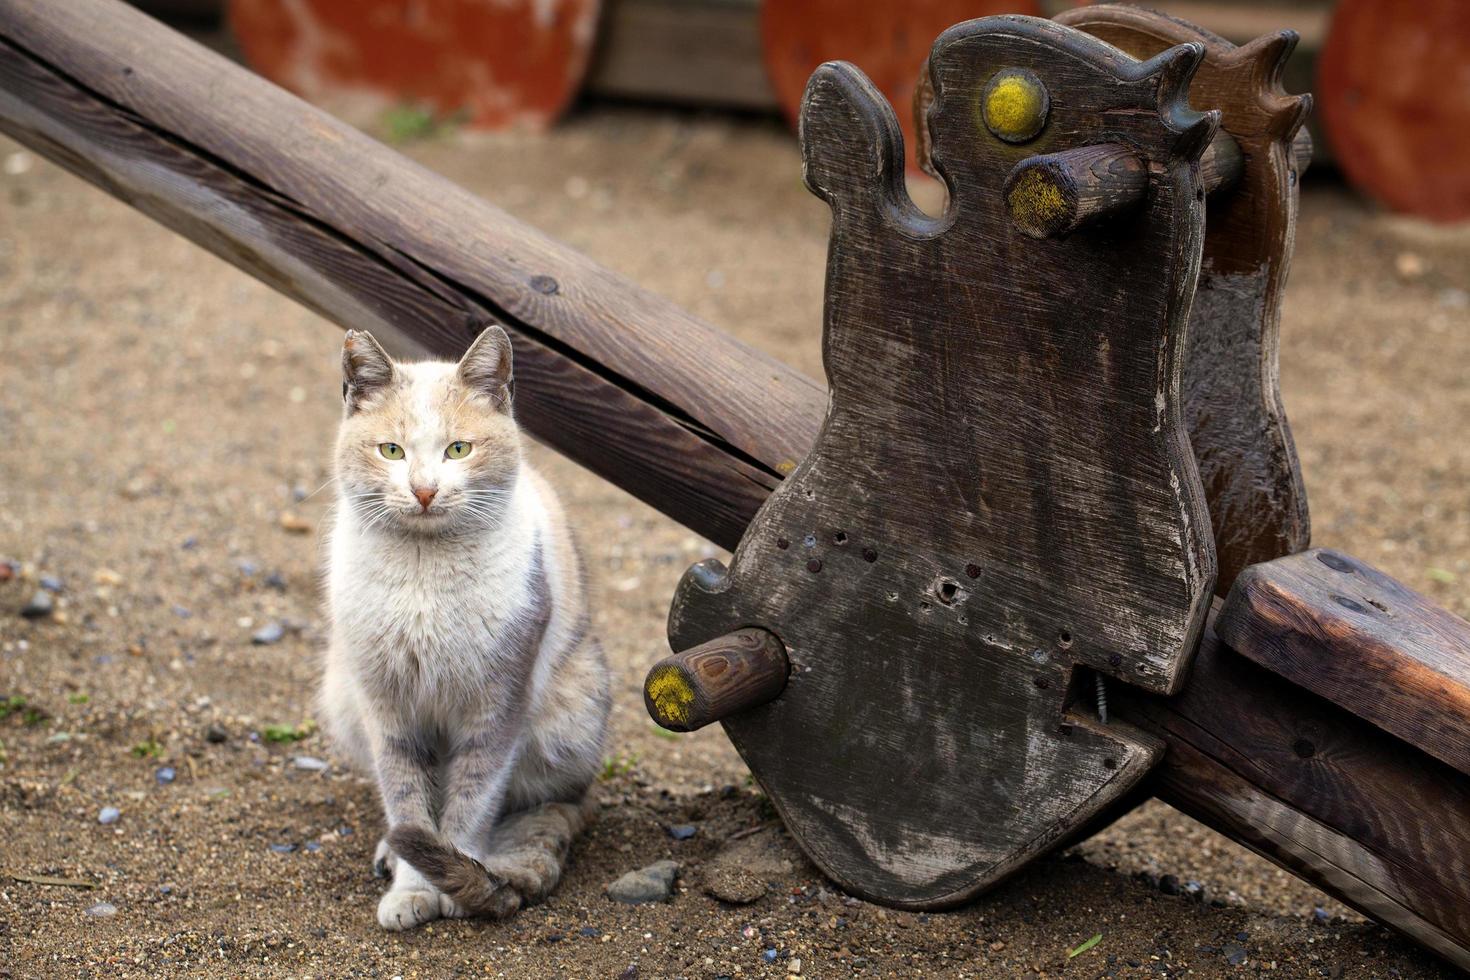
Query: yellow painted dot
{"points": [[669, 690], [1014, 105], [1036, 201]]}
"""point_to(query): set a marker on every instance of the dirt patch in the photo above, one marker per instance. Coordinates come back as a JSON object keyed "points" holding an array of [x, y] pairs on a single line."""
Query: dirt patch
{"points": [[163, 412]]}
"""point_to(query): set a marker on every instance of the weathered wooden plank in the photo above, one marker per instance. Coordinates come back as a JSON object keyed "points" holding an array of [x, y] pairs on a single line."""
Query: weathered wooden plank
{"points": [[1237, 425], [1344, 630], [615, 377], [1370, 819], [1002, 489]]}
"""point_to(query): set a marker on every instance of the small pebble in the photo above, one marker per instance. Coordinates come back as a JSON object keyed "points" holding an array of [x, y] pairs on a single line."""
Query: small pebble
{"points": [[51, 583], [589, 932], [189, 543], [275, 580], [216, 734], [247, 567], [165, 775], [344, 831], [271, 632], [39, 606], [682, 831], [109, 815], [654, 883], [1320, 916], [1169, 885], [283, 848], [102, 910], [181, 612], [1235, 954], [769, 955], [310, 763], [313, 846]]}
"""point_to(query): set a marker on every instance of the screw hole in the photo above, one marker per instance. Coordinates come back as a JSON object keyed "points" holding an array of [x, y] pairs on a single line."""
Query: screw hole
{"points": [[1064, 639], [972, 570], [840, 538], [948, 591], [1110, 763], [869, 555], [1304, 748], [782, 543]]}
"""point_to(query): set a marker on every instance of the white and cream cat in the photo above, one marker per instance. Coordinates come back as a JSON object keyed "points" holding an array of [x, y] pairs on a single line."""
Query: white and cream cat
{"points": [[461, 672]]}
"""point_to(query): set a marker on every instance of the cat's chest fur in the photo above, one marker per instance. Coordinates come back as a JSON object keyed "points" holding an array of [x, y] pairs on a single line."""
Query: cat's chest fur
{"points": [[432, 619]]}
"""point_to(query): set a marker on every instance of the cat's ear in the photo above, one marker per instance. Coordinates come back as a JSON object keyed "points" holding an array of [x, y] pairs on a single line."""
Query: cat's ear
{"points": [[486, 366], [366, 368]]}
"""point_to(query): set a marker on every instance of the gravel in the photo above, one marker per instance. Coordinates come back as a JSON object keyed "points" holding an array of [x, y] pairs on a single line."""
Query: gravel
{"points": [[109, 815], [268, 634]]}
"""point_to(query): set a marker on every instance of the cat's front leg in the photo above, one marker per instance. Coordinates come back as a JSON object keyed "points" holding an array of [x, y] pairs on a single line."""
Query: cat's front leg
{"points": [[405, 767]]}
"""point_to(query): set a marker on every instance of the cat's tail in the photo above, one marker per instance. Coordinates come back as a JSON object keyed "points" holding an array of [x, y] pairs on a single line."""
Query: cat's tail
{"points": [[528, 850]]}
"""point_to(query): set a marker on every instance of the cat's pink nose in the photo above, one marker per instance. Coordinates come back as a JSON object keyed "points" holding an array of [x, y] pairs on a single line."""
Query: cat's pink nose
{"points": [[425, 495]]}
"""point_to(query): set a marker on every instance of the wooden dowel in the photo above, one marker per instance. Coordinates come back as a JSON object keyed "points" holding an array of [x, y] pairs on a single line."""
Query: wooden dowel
{"points": [[1221, 165], [729, 674], [1054, 195], [1301, 151]]}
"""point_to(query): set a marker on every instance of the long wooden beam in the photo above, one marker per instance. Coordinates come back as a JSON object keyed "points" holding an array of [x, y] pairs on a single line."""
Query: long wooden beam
{"points": [[639, 391], [660, 403]]}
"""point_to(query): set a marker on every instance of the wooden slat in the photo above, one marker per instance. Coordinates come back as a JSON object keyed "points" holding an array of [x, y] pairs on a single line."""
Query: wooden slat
{"points": [[1237, 425], [622, 381], [1342, 629], [706, 52], [1367, 818]]}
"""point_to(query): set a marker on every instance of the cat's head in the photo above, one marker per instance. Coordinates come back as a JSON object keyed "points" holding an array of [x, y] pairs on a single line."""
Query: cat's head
{"points": [[427, 447]]}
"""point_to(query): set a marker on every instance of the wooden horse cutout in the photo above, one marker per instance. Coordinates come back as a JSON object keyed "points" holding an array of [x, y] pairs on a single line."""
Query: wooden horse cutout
{"points": [[1003, 488]]}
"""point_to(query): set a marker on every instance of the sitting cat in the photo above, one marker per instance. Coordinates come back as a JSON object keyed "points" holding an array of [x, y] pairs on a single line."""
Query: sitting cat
{"points": [[461, 672]]}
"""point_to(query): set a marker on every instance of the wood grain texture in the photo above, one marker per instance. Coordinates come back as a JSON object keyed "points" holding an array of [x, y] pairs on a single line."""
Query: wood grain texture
{"points": [[1237, 425], [732, 673], [1344, 630], [620, 380], [1002, 489], [1368, 818]]}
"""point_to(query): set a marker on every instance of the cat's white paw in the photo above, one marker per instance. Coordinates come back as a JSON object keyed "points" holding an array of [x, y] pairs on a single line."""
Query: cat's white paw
{"points": [[450, 909], [405, 908], [385, 862]]}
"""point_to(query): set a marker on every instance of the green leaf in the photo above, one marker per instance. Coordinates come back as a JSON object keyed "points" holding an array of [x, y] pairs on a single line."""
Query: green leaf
{"points": [[663, 732], [1442, 575], [1074, 953]]}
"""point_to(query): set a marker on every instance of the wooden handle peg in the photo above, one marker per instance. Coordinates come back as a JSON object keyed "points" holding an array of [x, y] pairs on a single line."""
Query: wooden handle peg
{"points": [[727, 675], [1052, 196]]}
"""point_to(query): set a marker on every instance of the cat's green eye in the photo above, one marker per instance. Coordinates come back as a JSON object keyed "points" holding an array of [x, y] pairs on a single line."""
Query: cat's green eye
{"points": [[390, 450], [458, 450]]}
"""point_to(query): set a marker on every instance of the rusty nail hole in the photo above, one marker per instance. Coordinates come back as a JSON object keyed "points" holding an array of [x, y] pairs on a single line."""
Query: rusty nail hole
{"points": [[840, 538], [1335, 562], [545, 284], [947, 591], [1064, 639], [1110, 763], [1115, 660], [1377, 605], [1304, 748], [869, 555], [972, 570], [1042, 683], [814, 566], [782, 543]]}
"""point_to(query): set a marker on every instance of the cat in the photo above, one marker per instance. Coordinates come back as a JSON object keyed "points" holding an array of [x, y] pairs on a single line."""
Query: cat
{"points": [[461, 671]]}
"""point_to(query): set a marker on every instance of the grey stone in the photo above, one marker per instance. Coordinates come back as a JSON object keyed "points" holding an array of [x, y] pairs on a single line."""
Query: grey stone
{"points": [[682, 831], [271, 632], [51, 583], [102, 910], [654, 883], [216, 734], [40, 605], [109, 815], [310, 763], [1235, 954]]}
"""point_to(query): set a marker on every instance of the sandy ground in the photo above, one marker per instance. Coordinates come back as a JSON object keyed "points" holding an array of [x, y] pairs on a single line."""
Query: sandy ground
{"points": [[162, 411]]}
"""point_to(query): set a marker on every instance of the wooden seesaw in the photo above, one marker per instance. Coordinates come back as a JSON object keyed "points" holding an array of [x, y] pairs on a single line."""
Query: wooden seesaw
{"points": [[1050, 424]]}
